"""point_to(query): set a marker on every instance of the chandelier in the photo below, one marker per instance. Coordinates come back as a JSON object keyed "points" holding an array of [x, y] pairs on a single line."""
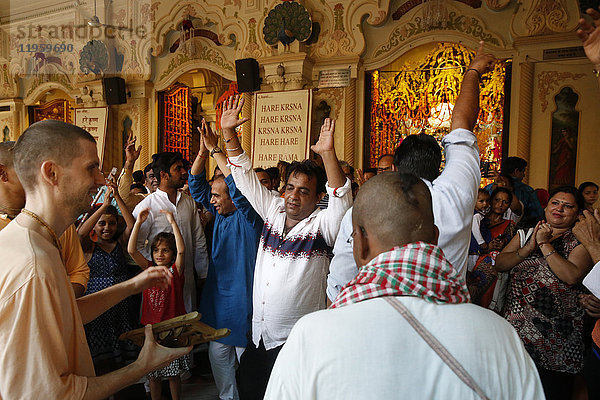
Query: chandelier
{"points": [[435, 14]]}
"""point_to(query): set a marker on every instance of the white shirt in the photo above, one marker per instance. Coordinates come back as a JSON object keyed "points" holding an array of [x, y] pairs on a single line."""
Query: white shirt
{"points": [[187, 218], [369, 351], [476, 228], [453, 196], [592, 280], [290, 272]]}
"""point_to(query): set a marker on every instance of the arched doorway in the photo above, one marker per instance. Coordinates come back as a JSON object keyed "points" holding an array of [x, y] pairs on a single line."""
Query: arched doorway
{"points": [[181, 107]]}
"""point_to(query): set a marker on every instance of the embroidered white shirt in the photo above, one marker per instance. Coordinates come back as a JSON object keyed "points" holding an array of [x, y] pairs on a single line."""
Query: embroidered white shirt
{"points": [[290, 273]]}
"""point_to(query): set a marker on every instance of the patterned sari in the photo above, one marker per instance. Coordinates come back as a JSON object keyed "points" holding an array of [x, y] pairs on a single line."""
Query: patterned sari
{"points": [[545, 311], [482, 280]]}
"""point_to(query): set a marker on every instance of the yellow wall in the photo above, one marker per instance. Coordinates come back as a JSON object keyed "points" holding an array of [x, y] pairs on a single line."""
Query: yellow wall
{"points": [[549, 79]]}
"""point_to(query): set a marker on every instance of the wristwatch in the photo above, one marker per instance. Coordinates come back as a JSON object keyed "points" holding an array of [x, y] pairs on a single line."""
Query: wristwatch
{"points": [[215, 150]]}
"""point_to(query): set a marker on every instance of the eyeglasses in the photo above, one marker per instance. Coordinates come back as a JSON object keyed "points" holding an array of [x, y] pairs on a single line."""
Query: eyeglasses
{"points": [[384, 169]]}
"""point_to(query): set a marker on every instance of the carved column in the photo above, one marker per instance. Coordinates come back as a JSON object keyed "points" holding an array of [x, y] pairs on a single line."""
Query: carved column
{"points": [[350, 122], [247, 127], [525, 110]]}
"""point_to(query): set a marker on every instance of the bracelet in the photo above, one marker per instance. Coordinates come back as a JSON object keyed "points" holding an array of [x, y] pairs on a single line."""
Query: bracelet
{"points": [[473, 69], [518, 255], [214, 151], [549, 254], [237, 148]]}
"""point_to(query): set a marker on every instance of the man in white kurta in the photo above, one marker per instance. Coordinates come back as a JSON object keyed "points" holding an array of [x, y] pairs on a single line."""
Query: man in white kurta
{"points": [[368, 351]]}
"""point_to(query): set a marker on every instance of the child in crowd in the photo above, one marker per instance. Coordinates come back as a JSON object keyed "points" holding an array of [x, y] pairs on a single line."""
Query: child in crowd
{"points": [[103, 239], [158, 305], [482, 206], [495, 232], [589, 191]]}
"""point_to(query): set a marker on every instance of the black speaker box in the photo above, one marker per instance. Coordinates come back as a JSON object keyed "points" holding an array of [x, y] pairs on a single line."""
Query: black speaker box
{"points": [[114, 90], [246, 71]]}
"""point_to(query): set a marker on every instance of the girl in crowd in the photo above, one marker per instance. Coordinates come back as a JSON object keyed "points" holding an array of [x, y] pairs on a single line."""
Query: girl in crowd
{"points": [[589, 191], [103, 239], [495, 232], [542, 302], [158, 305]]}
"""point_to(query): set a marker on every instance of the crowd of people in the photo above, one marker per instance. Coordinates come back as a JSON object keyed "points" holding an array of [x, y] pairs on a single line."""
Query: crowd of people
{"points": [[400, 281]]}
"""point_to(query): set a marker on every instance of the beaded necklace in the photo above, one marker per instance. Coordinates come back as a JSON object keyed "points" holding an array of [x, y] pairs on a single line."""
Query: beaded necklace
{"points": [[45, 225]]}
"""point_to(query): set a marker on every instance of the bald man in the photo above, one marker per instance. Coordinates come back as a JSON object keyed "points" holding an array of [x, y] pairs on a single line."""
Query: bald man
{"points": [[385, 163], [363, 348]]}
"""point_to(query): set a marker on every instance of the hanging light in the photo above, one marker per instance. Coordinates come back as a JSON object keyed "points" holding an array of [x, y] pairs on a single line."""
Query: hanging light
{"points": [[435, 14]]}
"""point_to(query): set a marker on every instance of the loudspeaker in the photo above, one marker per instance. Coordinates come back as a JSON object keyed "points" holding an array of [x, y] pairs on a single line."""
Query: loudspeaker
{"points": [[246, 71], [114, 90]]}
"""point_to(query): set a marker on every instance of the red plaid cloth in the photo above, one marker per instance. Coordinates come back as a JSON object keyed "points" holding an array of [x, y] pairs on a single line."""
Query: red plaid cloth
{"points": [[418, 269]]}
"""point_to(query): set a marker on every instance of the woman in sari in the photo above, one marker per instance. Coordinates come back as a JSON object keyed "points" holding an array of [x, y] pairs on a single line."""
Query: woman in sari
{"points": [[542, 303], [496, 233]]}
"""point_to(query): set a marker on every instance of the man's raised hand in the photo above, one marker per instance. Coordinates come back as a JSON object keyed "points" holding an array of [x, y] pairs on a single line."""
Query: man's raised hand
{"points": [[483, 62], [326, 142], [590, 36], [131, 153], [211, 140], [232, 108]]}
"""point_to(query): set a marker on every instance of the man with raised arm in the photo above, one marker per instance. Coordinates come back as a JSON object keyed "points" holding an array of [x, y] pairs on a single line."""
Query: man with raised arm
{"points": [[44, 351], [454, 191], [292, 259], [227, 295], [126, 179], [373, 342]]}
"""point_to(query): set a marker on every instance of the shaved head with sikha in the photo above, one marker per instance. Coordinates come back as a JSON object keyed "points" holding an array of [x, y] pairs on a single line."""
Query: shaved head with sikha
{"points": [[391, 209]]}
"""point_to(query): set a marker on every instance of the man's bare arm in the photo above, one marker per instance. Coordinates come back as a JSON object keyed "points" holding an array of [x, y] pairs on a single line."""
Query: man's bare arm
{"points": [[466, 109], [95, 304]]}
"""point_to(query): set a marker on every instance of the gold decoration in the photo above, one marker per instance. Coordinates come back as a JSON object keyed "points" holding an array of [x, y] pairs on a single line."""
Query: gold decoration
{"points": [[548, 80], [460, 23], [497, 5], [547, 16], [421, 100]]}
